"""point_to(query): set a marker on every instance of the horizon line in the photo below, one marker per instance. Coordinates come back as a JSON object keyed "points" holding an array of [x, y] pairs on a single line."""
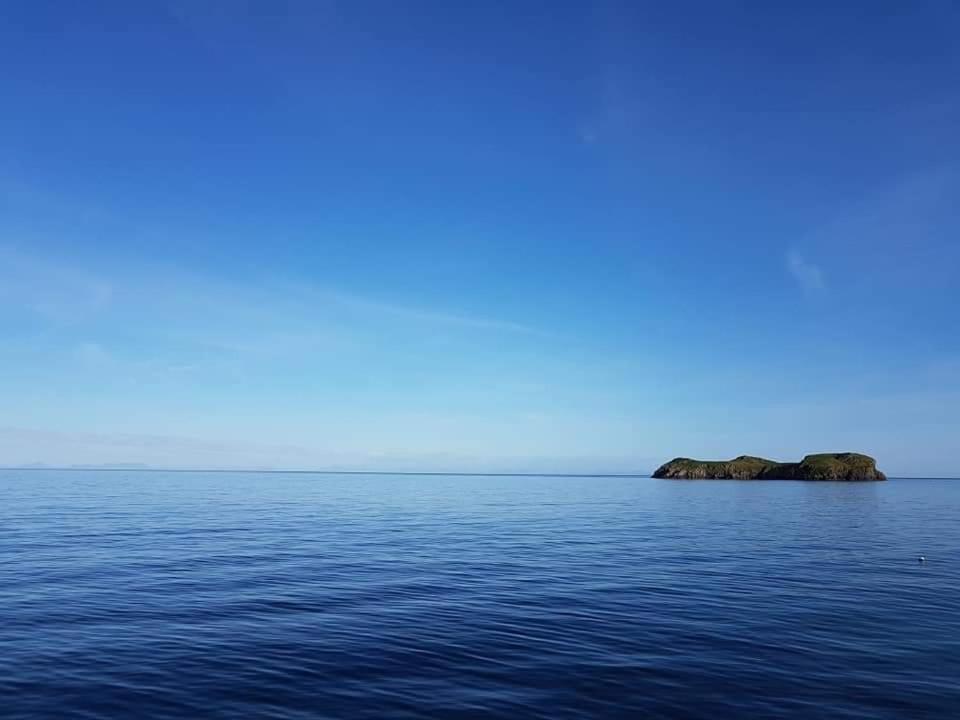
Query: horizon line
{"points": [[323, 472], [426, 473]]}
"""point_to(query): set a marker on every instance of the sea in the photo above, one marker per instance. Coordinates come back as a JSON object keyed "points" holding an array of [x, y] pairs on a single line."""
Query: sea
{"points": [[128, 594]]}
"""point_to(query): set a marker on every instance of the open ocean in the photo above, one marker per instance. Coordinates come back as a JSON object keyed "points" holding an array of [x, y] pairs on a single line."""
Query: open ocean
{"points": [[283, 595]]}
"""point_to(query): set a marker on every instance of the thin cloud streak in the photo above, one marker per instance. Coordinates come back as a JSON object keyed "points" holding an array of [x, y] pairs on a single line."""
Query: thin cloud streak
{"points": [[53, 290], [807, 275], [419, 315], [166, 302]]}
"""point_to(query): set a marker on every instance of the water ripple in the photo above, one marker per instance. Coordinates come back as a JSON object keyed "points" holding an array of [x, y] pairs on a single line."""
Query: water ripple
{"points": [[296, 596]]}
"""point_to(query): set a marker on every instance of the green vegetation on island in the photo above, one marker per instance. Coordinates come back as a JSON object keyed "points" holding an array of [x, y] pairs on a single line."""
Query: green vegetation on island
{"points": [[824, 466]]}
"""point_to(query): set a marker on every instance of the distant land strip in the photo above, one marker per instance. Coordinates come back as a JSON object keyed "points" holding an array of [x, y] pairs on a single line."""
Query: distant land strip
{"points": [[326, 472]]}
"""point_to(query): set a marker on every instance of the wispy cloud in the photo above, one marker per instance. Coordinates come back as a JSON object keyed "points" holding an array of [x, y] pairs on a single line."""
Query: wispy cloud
{"points": [[808, 275], [421, 315], [177, 316], [24, 446], [55, 290], [91, 354], [901, 230]]}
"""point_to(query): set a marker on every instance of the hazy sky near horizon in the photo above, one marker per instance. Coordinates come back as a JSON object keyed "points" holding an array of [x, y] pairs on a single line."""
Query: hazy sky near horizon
{"points": [[484, 236]]}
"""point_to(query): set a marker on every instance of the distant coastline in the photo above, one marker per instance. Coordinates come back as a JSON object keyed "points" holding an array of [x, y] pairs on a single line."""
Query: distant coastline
{"points": [[426, 473]]}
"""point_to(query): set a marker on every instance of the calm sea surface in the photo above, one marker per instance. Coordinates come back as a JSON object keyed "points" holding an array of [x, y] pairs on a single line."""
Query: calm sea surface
{"points": [[231, 595]]}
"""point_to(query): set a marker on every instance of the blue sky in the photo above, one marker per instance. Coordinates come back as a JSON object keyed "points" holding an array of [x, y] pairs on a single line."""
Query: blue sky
{"points": [[479, 236]]}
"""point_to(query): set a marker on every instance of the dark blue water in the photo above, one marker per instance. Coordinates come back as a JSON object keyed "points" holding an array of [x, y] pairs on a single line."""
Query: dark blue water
{"points": [[218, 595]]}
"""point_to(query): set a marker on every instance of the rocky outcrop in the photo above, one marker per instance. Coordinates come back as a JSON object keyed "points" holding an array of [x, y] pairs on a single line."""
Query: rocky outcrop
{"points": [[825, 466]]}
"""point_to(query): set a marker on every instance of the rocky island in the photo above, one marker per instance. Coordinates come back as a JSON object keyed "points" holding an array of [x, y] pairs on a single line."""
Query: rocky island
{"points": [[825, 466]]}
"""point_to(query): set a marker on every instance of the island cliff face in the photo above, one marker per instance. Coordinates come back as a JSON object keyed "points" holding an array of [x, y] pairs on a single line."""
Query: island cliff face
{"points": [[826, 466]]}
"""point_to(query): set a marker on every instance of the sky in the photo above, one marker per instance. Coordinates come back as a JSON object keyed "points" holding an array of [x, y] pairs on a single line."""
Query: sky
{"points": [[525, 236]]}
